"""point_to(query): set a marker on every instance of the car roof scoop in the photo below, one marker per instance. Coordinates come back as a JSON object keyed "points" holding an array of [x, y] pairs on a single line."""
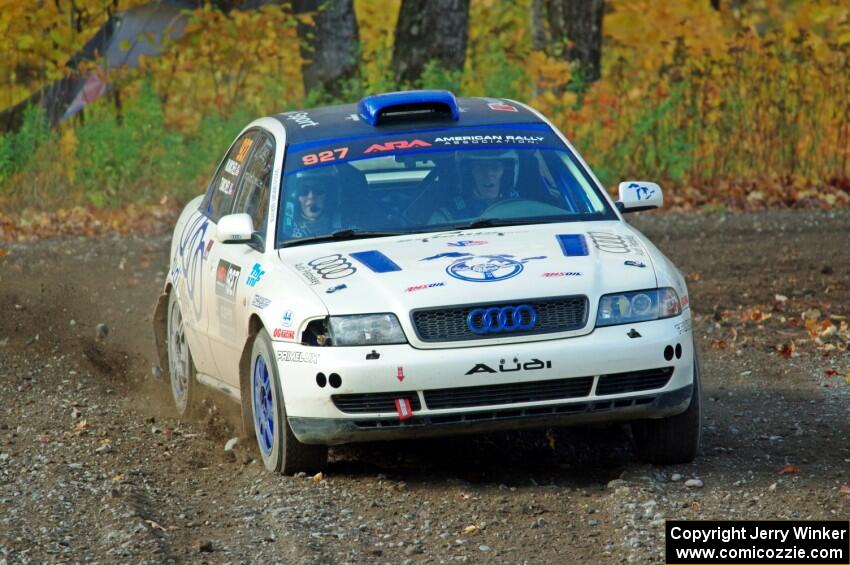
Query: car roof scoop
{"points": [[411, 105]]}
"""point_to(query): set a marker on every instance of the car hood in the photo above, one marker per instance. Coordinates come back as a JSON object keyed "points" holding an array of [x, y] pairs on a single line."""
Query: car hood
{"points": [[403, 273]]}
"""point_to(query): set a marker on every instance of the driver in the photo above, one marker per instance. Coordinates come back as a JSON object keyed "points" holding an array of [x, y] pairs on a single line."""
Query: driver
{"points": [[490, 179], [307, 211]]}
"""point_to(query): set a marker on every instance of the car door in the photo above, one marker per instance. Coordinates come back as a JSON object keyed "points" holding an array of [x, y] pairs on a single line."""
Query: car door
{"points": [[197, 286], [240, 267]]}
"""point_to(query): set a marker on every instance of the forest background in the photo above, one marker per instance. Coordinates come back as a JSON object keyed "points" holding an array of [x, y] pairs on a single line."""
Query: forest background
{"points": [[729, 104]]}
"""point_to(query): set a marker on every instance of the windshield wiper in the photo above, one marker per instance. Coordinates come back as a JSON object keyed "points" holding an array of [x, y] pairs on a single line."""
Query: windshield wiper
{"points": [[341, 235], [495, 222]]}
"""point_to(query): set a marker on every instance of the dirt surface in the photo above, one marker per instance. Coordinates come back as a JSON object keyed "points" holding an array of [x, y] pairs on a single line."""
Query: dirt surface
{"points": [[95, 467]]}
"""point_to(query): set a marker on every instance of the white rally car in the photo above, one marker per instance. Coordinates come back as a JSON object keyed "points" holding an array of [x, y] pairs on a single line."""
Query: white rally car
{"points": [[421, 265]]}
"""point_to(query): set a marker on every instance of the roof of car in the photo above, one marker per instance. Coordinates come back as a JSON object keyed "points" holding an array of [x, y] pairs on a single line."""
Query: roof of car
{"points": [[334, 122]]}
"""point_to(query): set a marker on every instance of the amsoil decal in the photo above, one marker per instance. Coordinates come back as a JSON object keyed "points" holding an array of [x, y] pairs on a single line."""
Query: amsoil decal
{"points": [[561, 274], [226, 278], [414, 288], [397, 145]]}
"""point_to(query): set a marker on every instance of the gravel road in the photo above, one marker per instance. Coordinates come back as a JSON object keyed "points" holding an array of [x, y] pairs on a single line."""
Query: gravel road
{"points": [[95, 467]]}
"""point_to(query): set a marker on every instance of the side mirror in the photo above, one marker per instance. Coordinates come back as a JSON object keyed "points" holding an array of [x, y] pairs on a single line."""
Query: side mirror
{"points": [[639, 195], [235, 228]]}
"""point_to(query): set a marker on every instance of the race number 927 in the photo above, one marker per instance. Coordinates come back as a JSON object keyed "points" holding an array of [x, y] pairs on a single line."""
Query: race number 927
{"points": [[325, 156]]}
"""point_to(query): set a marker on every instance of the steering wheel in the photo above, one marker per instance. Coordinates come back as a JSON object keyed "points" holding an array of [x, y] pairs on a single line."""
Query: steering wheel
{"points": [[521, 207]]}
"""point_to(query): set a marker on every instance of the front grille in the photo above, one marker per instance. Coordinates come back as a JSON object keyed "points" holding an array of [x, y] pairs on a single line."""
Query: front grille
{"points": [[374, 401], [560, 314], [511, 393], [620, 383]]}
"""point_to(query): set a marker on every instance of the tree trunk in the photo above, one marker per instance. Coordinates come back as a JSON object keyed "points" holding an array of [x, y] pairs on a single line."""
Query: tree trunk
{"points": [[430, 30], [571, 29], [330, 47]]}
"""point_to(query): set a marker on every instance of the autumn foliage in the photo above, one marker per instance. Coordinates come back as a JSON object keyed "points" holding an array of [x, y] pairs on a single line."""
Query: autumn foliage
{"points": [[736, 110]]}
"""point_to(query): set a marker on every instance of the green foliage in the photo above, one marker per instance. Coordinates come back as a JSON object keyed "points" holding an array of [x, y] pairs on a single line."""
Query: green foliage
{"points": [[17, 149]]}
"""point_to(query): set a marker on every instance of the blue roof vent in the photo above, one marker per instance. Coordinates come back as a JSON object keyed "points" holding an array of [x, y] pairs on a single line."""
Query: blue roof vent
{"points": [[409, 105]]}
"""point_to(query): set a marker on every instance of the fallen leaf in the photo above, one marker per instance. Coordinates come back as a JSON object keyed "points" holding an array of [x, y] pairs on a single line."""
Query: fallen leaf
{"points": [[81, 425], [154, 525], [848, 377], [469, 530], [550, 436], [3, 252], [830, 372], [786, 350], [844, 489], [718, 344], [118, 478], [318, 477], [693, 276], [789, 469], [780, 298]]}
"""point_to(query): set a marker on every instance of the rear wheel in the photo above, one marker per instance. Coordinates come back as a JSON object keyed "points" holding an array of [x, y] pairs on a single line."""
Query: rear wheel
{"points": [[668, 441], [181, 369], [279, 449]]}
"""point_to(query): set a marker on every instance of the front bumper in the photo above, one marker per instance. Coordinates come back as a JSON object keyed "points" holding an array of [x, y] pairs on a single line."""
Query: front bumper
{"points": [[341, 430], [405, 371]]}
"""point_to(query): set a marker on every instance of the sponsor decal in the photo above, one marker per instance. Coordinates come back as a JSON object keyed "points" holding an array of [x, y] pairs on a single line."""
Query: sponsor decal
{"points": [[573, 245], [226, 277], [614, 243], [642, 192], [225, 186], [175, 272], [455, 234], [255, 276], [376, 261], [336, 288], [190, 250], [683, 327], [207, 249], [283, 334], [424, 286], [466, 243], [325, 156], [332, 267], [352, 118], [502, 107], [400, 374], [244, 148], [483, 268], [396, 145], [301, 118], [533, 365], [286, 319], [298, 357], [402, 405], [232, 167], [308, 273], [634, 264], [260, 302], [489, 139], [561, 274], [505, 319]]}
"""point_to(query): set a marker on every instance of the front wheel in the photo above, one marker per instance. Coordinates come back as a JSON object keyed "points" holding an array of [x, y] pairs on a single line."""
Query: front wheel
{"points": [[279, 448], [181, 368], [673, 440]]}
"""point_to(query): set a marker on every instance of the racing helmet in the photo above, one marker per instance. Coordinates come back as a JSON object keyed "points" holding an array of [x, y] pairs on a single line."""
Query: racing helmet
{"points": [[322, 181], [507, 158]]}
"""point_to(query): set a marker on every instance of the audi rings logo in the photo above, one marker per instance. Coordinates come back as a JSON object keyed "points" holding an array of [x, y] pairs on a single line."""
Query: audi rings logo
{"points": [[505, 319], [610, 242], [332, 267]]}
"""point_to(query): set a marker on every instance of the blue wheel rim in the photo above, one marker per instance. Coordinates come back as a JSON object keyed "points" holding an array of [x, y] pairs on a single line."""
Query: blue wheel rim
{"points": [[263, 406]]}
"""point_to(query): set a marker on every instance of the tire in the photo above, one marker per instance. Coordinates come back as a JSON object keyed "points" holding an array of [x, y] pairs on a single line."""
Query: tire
{"points": [[673, 440], [181, 368], [280, 450]]}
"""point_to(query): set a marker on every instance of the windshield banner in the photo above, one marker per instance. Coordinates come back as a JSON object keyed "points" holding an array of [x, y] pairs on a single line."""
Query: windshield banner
{"points": [[313, 155]]}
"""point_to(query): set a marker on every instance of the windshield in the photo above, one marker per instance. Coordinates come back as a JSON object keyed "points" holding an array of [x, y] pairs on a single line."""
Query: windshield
{"points": [[432, 181]]}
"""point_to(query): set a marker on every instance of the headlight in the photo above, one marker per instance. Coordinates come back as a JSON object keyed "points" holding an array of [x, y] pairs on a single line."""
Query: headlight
{"points": [[365, 329], [638, 306]]}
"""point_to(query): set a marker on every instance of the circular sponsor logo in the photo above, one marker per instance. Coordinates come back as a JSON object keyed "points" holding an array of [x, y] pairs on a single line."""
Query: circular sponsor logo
{"points": [[484, 268], [505, 319]]}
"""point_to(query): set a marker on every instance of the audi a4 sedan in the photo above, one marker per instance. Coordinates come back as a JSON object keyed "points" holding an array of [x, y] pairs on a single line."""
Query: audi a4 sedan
{"points": [[416, 265]]}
